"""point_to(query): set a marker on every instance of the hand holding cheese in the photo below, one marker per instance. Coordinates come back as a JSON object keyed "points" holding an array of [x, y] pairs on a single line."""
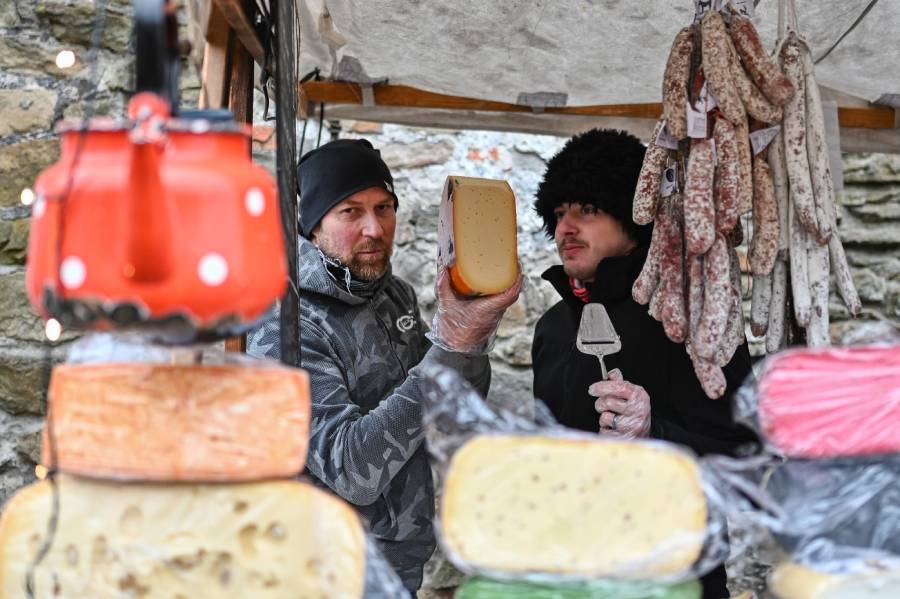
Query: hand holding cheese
{"points": [[467, 325], [624, 407]]}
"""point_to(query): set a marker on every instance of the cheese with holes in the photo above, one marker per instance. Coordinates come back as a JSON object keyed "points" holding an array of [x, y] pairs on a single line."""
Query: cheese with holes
{"points": [[272, 540], [477, 235], [173, 422], [583, 507], [873, 580]]}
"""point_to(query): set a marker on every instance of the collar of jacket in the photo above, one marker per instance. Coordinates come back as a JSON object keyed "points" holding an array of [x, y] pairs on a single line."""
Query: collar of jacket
{"points": [[612, 282], [315, 278]]}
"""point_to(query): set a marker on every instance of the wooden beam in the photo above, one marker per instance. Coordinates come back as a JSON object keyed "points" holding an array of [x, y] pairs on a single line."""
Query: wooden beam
{"points": [[878, 117], [234, 13], [215, 73]]}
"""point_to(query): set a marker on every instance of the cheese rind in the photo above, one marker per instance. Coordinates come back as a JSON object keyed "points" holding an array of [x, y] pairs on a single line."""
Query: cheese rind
{"points": [[269, 540], [166, 422], [573, 506], [876, 580], [477, 233]]}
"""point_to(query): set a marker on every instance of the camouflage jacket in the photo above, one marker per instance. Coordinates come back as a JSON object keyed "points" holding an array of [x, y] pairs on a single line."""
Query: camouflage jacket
{"points": [[366, 438]]}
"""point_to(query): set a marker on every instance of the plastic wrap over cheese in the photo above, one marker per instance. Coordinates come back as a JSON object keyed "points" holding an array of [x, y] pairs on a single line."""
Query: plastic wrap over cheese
{"points": [[827, 402], [832, 511], [525, 499], [872, 579], [212, 418], [272, 540], [479, 587]]}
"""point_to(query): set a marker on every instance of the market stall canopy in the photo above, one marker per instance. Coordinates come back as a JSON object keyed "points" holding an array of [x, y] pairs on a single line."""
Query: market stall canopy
{"points": [[561, 66]]}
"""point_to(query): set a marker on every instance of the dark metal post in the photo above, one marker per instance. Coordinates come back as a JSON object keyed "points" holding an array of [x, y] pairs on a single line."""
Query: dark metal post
{"points": [[285, 161]]}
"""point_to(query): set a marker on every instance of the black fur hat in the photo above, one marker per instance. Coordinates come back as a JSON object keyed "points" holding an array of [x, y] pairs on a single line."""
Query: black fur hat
{"points": [[598, 167]]}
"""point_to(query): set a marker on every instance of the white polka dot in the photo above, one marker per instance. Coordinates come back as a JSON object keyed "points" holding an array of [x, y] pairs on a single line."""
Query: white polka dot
{"points": [[40, 206], [254, 201], [212, 270], [27, 197], [65, 59], [72, 272]]}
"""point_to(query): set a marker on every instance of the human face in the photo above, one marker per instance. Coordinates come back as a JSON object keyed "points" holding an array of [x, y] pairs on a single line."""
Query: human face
{"points": [[360, 232], [584, 236]]}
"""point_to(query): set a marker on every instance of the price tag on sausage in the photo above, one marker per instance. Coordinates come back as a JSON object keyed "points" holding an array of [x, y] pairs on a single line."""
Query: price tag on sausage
{"points": [[761, 138], [665, 139], [668, 183]]}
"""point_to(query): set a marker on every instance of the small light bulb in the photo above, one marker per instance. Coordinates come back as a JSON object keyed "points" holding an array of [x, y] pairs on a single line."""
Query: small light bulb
{"points": [[53, 329], [40, 471], [27, 196], [65, 59]]}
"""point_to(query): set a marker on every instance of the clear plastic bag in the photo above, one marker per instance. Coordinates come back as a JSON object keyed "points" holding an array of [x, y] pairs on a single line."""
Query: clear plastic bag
{"points": [[826, 402], [837, 510], [484, 588], [535, 485]]}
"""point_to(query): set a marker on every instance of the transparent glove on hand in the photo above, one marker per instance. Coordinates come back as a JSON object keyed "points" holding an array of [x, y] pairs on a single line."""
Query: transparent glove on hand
{"points": [[467, 325], [624, 407]]}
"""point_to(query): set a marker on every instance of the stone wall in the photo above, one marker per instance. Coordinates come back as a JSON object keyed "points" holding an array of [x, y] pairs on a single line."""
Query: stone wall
{"points": [[35, 94]]}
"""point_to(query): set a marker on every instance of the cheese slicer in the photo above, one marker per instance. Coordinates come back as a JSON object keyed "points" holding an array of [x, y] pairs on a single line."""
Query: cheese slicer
{"points": [[596, 335]]}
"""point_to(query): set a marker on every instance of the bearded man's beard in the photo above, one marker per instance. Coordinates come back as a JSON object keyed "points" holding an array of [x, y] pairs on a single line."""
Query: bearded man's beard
{"points": [[364, 268]]}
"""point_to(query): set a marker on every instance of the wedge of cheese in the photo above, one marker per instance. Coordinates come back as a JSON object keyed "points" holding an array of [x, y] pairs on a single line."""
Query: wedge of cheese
{"points": [[167, 422], [477, 235], [875, 580], [832, 402], [272, 540], [586, 507]]}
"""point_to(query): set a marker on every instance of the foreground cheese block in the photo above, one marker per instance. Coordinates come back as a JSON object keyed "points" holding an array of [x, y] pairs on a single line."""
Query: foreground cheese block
{"points": [[171, 422], [477, 235], [485, 588], [876, 580], [268, 540], [832, 402], [572, 506]]}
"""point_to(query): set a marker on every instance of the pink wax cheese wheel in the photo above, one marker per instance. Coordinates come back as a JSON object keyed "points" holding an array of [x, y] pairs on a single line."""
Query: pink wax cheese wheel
{"points": [[832, 402]]}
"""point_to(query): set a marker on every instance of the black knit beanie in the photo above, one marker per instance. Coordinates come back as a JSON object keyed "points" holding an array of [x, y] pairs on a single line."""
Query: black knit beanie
{"points": [[599, 167], [331, 173]]}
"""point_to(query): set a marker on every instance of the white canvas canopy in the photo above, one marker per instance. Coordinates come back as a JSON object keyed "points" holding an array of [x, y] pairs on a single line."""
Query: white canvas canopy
{"points": [[571, 53]]}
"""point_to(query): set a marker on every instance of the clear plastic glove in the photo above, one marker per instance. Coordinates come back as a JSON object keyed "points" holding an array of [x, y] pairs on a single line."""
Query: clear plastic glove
{"points": [[624, 407], [468, 325]]}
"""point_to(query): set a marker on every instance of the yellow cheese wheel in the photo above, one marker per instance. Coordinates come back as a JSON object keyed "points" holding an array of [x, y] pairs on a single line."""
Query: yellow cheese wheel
{"points": [[873, 580], [269, 540], [573, 506], [170, 422], [477, 230]]}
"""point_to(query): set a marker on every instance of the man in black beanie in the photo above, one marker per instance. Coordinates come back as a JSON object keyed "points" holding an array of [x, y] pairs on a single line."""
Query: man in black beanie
{"points": [[364, 344], [585, 201]]}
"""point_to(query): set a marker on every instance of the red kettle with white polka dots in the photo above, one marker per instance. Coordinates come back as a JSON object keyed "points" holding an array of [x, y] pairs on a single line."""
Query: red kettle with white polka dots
{"points": [[156, 222]]}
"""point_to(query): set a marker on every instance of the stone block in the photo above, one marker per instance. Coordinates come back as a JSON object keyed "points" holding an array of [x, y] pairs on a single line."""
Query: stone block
{"points": [[19, 452], [24, 375], [17, 320], [871, 287], [26, 110], [869, 168], [72, 22], [853, 229], [417, 154], [20, 164]]}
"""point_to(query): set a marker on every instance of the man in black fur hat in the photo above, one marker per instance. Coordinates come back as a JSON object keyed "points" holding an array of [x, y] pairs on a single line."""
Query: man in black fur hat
{"points": [[585, 200]]}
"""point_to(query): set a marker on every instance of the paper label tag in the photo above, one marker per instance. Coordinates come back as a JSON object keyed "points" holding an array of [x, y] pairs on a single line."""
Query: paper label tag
{"points": [[696, 120], [744, 7], [761, 138], [664, 140], [446, 249], [668, 183]]}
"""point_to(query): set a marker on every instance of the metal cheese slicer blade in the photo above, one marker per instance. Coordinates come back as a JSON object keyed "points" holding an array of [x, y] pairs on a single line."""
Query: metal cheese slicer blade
{"points": [[596, 335]]}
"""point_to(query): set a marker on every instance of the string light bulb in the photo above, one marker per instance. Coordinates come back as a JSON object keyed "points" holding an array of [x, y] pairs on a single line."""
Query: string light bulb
{"points": [[53, 329], [65, 59], [27, 196]]}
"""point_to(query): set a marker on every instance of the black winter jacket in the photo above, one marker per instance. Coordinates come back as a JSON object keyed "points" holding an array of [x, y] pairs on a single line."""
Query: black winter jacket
{"points": [[680, 410]]}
